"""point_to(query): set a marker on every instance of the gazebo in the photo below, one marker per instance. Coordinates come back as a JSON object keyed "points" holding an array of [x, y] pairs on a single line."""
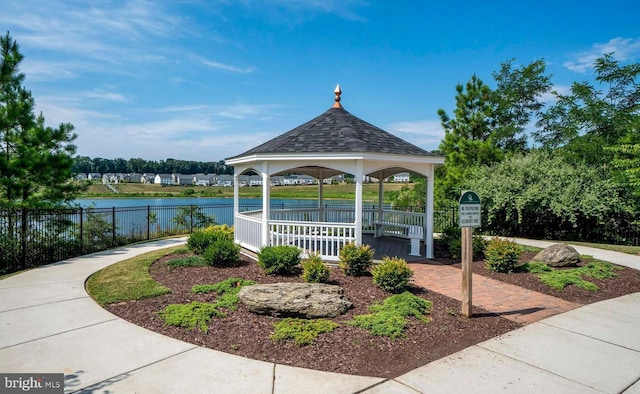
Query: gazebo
{"points": [[335, 142]]}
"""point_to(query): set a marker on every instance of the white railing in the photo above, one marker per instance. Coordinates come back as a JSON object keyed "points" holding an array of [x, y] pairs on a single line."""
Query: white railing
{"points": [[320, 237], [301, 228], [399, 223], [247, 230]]}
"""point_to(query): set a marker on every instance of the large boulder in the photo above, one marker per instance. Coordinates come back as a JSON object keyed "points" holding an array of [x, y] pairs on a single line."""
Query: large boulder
{"points": [[558, 255], [306, 300]]}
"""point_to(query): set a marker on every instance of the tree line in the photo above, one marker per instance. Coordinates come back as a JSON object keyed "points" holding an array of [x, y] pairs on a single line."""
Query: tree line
{"points": [[85, 165]]}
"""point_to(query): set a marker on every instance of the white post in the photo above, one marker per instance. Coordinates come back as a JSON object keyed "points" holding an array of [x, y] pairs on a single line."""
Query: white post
{"points": [[236, 203], [266, 203], [428, 220], [380, 217], [320, 195], [358, 220]]}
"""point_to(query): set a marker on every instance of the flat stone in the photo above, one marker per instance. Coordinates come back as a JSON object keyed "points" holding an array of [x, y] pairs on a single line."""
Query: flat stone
{"points": [[305, 300]]}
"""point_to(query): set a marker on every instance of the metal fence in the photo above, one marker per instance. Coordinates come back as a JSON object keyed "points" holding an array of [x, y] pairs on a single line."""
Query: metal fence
{"points": [[34, 237]]}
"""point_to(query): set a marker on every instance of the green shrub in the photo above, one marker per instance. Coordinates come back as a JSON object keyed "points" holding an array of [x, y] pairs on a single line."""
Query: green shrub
{"points": [[389, 318], [356, 260], [392, 274], [559, 279], [302, 331], [280, 259], [502, 255], [199, 240], [314, 270], [452, 238], [227, 290], [190, 316], [222, 253], [190, 261]]}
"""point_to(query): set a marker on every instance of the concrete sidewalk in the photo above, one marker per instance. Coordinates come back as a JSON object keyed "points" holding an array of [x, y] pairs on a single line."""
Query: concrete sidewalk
{"points": [[48, 324]]}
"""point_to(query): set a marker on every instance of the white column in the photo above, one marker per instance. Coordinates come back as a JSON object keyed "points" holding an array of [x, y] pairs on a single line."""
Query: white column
{"points": [[321, 194], [266, 203], [428, 219], [236, 202], [236, 194], [380, 217], [358, 220]]}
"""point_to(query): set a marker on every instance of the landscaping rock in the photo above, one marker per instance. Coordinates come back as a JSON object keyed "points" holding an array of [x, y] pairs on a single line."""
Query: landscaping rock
{"points": [[306, 300], [558, 255]]}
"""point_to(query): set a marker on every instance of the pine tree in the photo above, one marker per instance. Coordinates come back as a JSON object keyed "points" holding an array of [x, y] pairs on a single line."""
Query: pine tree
{"points": [[35, 160]]}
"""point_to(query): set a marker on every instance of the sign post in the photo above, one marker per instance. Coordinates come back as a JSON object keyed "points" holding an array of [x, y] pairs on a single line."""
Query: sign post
{"points": [[469, 210]]}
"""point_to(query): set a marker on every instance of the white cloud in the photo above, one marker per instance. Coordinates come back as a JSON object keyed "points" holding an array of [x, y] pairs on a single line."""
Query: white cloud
{"points": [[623, 48], [426, 134], [228, 67], [550, 98]]}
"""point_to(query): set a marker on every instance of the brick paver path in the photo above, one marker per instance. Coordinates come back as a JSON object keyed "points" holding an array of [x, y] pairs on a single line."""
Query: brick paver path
{"points": [[511, 302]]}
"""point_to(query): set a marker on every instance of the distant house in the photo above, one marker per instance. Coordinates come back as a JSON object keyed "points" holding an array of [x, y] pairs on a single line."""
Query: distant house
{"points": [[401, 177], [223, 180], [81, 177], [255, 180], [163, 179], [94, 176], [148, 178], [203, 179], [136, 177], [182, 179]]}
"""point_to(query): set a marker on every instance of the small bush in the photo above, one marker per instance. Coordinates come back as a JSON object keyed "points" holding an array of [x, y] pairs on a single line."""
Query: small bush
{"points": [[222, 253], [302, 331], [227, 290], [392, 274], [199, 240], [389, 318], [190, 316], [190, 261], [280, 259], [559, 279], [502, 255], [356, 260], [314, 270]]}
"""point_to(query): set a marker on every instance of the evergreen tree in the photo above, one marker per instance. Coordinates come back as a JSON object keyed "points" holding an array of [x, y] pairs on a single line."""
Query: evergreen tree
{"points": [[35, 160], [468, 139]]}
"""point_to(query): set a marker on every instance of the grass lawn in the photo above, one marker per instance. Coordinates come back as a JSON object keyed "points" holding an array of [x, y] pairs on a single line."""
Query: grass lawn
{"points": [[128, 279], [343, 191]]}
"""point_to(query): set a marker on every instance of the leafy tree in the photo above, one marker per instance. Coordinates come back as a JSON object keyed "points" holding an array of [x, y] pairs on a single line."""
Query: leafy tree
{"points": [[516, 101], [586, 121], [35, 160]]}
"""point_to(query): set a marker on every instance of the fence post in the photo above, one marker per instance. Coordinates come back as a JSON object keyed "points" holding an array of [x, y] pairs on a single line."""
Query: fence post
{"points": [[148, 222], [191, 219], [113, 226], [81, 232]]}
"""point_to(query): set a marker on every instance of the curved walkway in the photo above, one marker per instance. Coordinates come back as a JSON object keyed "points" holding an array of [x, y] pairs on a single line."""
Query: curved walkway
{"points": [[48, 324]]}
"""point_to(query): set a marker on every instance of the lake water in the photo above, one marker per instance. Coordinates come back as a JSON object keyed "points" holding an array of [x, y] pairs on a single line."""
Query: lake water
{"points": [[132, 214]]}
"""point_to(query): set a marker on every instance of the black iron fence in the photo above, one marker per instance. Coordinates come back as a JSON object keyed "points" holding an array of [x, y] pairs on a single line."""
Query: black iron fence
{"points": [[35, 237]]}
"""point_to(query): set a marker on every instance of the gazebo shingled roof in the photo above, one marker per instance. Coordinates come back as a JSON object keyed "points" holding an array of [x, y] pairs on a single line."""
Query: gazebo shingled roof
{"points": [[332, 143], [337, 130]]}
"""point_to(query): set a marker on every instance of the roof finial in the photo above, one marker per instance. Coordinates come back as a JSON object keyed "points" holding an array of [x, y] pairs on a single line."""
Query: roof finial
{"points": [[338, 92]]}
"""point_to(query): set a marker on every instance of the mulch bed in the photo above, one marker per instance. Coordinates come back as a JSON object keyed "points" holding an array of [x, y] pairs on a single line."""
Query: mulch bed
{"points": [[627, 282], [347, 349]]}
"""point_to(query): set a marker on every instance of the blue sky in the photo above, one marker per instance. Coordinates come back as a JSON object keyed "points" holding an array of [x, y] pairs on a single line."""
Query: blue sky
{"points": [[204, 79]]}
